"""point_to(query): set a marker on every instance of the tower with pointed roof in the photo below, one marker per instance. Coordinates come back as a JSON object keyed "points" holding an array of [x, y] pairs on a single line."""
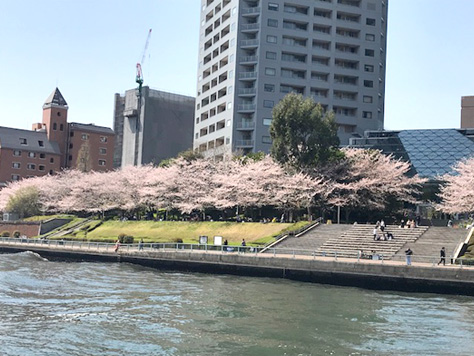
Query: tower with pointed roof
{"points": [[55, 121]]}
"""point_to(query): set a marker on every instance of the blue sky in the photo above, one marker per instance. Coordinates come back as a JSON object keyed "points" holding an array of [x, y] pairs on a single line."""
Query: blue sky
{"points": [[89, 49]]}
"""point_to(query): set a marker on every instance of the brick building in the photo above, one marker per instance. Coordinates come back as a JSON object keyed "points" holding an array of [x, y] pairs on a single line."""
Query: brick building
{"points": [[54, 144]]}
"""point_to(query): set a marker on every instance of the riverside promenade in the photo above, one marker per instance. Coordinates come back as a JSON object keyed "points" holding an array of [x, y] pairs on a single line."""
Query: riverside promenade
{"points": [[425, 277]]}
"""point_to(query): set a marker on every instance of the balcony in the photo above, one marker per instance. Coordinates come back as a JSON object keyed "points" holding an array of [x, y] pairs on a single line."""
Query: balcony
{"points": [[247, 91], [248, 59], [244, 126], [244, 143], [251, 11], [246, 108], [249, 43], [248, 75], [250, 27]]}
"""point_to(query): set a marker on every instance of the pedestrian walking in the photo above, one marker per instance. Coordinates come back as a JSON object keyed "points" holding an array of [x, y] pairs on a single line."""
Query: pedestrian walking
{"points": [[442, 255], [408, 254], [117, 246], [140, 245]]}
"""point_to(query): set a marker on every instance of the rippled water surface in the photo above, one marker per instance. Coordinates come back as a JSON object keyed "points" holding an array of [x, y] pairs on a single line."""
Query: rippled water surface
{"points": [[58, 308]]}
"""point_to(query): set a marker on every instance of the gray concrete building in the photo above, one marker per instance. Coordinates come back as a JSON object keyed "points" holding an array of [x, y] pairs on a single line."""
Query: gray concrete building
{"points": [[253, 52], [157, 129], [467, 112]]}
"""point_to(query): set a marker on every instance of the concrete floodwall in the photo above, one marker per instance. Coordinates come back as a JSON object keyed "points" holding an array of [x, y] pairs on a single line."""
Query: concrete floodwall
{"points": [[426, 278]]}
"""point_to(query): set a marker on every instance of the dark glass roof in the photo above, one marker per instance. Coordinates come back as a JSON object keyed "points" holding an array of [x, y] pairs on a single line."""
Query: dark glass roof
{"points": [[434, 152]]}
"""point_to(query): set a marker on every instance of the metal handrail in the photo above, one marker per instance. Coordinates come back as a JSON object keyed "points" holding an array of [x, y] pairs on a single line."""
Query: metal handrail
{"points": [[138, 248]]}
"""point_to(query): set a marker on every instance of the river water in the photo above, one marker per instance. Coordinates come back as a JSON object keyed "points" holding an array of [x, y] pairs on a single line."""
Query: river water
{"points": [[59, 308]]}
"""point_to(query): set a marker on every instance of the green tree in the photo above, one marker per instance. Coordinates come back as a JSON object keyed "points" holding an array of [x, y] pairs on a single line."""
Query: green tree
{"points": [[189, 155], [83, 162], [25, 202], [303, 134]]}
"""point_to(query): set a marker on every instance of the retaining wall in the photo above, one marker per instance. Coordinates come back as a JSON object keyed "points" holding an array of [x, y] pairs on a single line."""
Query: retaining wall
{"points": [[448, 280], [28, 229]]}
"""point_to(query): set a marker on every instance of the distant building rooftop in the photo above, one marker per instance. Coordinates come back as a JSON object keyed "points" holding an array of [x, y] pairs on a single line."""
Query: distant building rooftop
{"points": [[36, 141], [90, 128]]}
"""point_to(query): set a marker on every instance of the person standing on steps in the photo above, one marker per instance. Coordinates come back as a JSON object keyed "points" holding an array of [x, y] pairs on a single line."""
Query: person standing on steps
{"points": [[442, 255], [408, 254]]}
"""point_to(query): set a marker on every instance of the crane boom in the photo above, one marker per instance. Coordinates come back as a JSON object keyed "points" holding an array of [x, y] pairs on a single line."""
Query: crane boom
{"points": [[139, 77]]}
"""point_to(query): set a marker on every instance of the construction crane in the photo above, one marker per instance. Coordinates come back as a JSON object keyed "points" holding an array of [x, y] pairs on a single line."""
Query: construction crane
{"points": [[139, 77], [139, 81]]}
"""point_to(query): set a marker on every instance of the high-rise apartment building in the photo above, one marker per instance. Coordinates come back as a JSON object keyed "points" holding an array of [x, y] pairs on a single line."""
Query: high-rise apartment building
{"points": [[253, 52]]}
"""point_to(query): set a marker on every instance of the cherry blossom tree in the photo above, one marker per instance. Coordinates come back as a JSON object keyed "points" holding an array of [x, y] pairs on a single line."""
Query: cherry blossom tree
{"points": [[457, 192], [367, 178]]}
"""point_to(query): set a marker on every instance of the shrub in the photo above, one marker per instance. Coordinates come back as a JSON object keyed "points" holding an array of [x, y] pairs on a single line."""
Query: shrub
{"points": [[178, 240], [5, 234], [16, 233], [125, 239]]}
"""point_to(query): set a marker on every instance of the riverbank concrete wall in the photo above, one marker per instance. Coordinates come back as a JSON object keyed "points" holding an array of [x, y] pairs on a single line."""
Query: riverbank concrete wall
{"points": [[344, 272]]}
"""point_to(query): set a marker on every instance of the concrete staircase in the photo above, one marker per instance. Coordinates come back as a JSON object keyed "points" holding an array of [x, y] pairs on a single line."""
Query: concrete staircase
{"points": [[436, 237], [314, 238], [360, 237]]}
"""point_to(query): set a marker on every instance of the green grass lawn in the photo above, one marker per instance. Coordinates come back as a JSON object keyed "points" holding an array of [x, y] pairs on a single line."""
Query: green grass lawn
{"points": [[189, 232]]}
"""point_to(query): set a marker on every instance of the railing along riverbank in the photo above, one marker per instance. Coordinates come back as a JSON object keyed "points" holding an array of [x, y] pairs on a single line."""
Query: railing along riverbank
{"points": [[148, 249]]}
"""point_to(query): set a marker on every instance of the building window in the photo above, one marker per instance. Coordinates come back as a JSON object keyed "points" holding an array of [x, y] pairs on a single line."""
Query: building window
{"points": [[51, 172], [367, 114], [84, 137], [267, 122], [271, 55], [368, 83], [41, 167], [197, 135], [23, 141], [55, 126], [369, 37], [103, 151], [41, 143], [70, 157], [270, 71], [71, 146], [31, 166], [16, 165], [266, 139], [271, 39], [367, 99], [370, 22], [269, 88], [51, 160], [368, 68], [15, 177], [17, 153], [61, 127], [369, 52], [227, 140], [31, 154], [268, 103], [101, 162], [272, 6], [272, 23], [71, 134], [42, 156]]}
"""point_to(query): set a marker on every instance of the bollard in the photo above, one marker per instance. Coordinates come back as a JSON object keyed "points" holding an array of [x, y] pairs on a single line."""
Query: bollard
{"points": [[335, 255], [293, 253], [274, 252]]}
